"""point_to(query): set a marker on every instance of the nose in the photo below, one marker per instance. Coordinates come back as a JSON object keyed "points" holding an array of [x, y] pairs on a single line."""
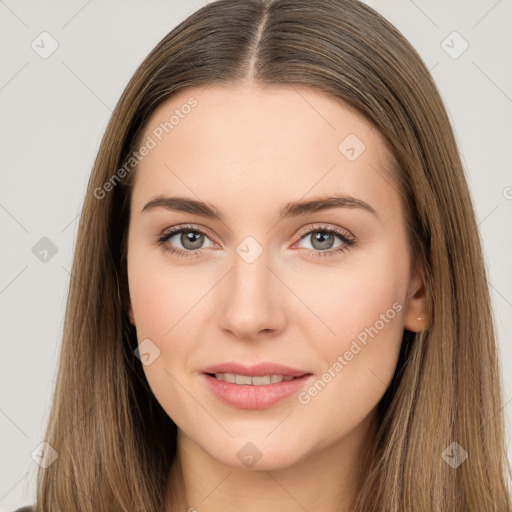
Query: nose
{"points": [[253, 299]]}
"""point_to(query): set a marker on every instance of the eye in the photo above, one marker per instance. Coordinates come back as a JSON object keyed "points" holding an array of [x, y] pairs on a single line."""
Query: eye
{"points": [[190, 238], [322, 239]]}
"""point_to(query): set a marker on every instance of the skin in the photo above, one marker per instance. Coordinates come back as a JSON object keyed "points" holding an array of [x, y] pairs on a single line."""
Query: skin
{"points": [[248, 151]]}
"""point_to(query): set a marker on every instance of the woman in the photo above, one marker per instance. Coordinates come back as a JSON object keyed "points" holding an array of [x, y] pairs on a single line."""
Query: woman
{"points": [[210, 359]]}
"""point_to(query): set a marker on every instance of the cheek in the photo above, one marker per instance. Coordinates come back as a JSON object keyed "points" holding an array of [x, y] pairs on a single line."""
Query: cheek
{"points": [[152, 303], [358, 365], [364, 306], [164, 304], [366, 323], [353, 295]]}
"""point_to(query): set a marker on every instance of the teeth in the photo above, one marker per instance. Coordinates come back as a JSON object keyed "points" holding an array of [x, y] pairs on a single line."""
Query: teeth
{"points": [[243, 379], [255, 381]]}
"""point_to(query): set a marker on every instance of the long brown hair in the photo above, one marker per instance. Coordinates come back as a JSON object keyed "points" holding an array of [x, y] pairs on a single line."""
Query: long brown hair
{"points": [[114, 441]]}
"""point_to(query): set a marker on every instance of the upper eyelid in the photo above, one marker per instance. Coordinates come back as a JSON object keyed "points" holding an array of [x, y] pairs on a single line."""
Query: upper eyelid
{"points": [[337, 230], [179, 228]]}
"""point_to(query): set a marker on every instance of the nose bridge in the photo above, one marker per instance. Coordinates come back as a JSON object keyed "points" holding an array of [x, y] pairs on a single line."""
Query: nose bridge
{"points": [[251, 297]]}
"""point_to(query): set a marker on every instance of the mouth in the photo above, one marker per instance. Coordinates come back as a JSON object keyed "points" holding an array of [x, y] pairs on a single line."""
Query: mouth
{"points": [[248, 380], [254, 391]]}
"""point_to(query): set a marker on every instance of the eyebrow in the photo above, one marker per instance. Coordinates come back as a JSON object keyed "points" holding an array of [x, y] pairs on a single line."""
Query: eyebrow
{"points": [[292, 209]]}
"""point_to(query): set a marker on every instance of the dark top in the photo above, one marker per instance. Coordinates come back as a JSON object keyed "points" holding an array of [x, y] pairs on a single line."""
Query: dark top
{"points": [[25, 509]]}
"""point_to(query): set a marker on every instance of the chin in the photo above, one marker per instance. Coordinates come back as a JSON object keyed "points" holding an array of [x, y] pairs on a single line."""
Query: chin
{"points": [[255, 453]]}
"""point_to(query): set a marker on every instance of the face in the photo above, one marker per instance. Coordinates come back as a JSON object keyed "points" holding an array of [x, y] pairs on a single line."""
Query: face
{"points": [[324, 292]]}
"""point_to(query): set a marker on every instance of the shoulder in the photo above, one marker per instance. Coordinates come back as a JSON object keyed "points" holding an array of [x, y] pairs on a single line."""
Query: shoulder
{"points": [[25, 509]]}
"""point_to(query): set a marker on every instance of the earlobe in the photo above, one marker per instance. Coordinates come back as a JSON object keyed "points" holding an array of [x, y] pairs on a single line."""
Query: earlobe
{"points": [[415, 317]]}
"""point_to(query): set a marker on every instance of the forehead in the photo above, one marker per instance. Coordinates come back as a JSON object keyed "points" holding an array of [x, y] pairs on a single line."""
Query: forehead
{"points": [[224, 143]]}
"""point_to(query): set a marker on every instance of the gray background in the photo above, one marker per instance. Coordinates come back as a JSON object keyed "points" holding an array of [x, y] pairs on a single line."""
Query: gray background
{"points": [[53, 113]]}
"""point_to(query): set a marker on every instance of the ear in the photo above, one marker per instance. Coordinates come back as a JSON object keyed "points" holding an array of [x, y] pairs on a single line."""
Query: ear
{"points": [[415, 316]]}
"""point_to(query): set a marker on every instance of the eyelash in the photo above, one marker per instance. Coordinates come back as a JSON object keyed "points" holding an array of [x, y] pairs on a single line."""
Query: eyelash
{"points": [[348, 241]]}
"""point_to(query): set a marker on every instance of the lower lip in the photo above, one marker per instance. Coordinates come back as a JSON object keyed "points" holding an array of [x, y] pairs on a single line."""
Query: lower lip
{"points": [[245, 396]]}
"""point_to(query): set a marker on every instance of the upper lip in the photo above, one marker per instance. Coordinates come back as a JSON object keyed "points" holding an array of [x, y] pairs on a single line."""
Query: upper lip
{"points": [[257, 370]]}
